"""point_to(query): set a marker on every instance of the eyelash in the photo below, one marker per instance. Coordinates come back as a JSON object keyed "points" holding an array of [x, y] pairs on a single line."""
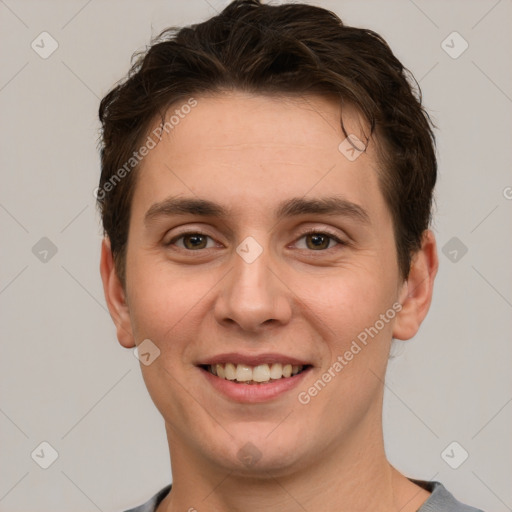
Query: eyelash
{"points": [[323, 232]]}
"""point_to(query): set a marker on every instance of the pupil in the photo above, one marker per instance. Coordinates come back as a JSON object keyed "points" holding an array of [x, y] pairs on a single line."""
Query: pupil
{"points": [[194, 241], [319, 241]]}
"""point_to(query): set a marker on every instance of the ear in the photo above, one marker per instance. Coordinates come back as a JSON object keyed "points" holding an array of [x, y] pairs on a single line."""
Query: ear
{"points": [[416, 292], [115, 296]]}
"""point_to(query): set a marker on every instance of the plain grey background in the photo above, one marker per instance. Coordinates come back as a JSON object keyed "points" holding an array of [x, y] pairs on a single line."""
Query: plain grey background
{"points": [[64, 378]]}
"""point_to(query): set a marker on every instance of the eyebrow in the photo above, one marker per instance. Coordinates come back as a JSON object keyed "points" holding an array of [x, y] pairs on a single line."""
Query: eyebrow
{"points": [[332, 205]]}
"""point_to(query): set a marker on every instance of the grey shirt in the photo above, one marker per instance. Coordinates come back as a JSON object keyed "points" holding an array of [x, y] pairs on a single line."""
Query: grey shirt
{"points": [[439, 501]]}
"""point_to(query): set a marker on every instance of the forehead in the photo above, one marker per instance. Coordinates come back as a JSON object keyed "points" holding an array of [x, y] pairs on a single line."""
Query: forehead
{"points": [[258, 147], [226, 120]]}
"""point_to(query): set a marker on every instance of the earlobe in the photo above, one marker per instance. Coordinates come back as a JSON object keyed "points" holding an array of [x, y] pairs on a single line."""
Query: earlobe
{"points": [[416, 293], [115, 296]]}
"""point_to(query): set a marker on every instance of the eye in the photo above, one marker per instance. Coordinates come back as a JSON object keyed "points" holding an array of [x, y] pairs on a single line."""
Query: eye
{"points": [[315, 240], [319, 240], [192, 241]]}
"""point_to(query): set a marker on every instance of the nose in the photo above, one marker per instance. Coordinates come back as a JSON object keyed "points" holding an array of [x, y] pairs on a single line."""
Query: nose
{"points": [[253, 297]]}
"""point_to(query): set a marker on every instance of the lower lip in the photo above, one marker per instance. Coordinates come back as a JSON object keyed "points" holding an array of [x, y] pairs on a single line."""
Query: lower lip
{"points": [[254, 393]]}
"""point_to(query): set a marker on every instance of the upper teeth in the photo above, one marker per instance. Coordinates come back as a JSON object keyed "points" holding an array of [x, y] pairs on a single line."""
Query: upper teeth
{"points": [[260, 373]]}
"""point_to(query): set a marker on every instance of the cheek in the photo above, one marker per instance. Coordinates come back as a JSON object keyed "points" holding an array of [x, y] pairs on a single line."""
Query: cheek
{"points": [[355, 339], [347, 301], [162, 306], [356, 343], [159, 300]]}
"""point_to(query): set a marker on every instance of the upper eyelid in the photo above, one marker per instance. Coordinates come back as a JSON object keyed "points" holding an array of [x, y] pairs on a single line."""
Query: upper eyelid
{"points": [[324, 231]]}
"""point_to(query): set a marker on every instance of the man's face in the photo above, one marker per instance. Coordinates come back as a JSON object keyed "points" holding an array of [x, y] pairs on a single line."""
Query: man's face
{"points": [[252, 288]]}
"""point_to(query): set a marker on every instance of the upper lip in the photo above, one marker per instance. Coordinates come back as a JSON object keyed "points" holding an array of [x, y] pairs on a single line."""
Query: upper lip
{"points": [[252, 359]]}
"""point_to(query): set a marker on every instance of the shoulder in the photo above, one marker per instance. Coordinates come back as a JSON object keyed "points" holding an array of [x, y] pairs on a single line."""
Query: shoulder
{"points": [[150, 506], [441, 500]]}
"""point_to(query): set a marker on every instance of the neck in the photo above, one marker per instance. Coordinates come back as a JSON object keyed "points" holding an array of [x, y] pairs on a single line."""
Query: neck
{"points": [[352, 475]]}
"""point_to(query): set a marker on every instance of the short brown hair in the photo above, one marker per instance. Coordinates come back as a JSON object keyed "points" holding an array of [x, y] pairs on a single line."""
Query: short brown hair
{"points": [[284, 49]]}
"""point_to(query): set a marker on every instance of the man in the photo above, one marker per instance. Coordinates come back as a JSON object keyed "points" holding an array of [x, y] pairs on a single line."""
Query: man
{"points": [[266, 193]]}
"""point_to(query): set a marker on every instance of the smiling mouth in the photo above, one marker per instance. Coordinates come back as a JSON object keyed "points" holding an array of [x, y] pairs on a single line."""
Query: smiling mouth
{"points": [[260, 374]]}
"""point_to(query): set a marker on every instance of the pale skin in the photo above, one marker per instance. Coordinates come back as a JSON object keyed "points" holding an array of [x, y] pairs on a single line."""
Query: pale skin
{"points": [[249, 153]]}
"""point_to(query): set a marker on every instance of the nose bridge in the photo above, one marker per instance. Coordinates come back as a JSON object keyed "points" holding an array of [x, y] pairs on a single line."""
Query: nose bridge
{"points": [[253, 295]]}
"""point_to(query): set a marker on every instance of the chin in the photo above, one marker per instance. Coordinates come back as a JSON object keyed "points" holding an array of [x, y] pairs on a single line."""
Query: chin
{"points": [[254, 452]]}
